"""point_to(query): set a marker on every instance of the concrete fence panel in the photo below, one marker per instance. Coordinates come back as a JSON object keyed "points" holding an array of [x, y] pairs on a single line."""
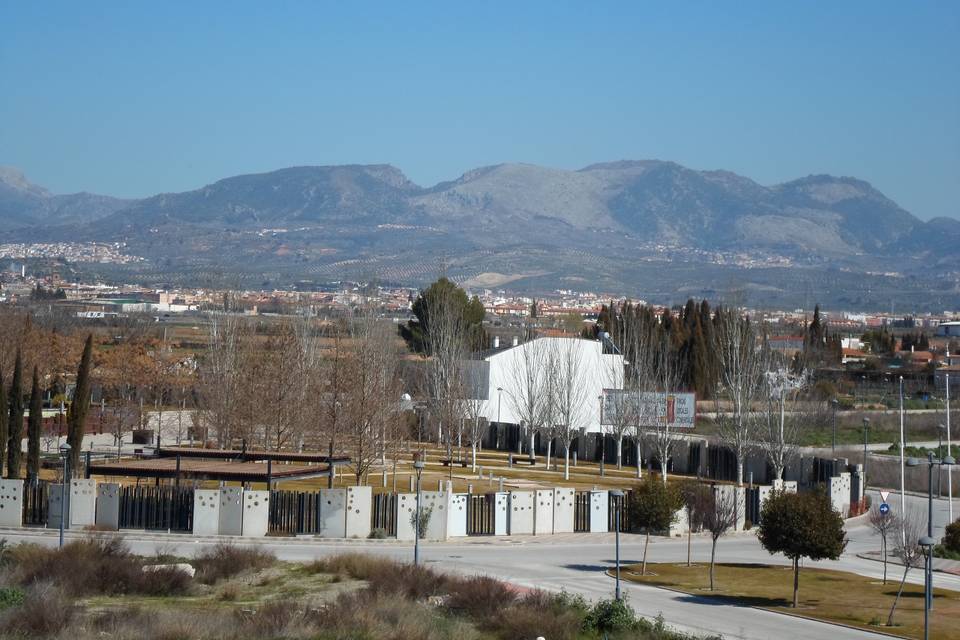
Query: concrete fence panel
{"points": [[206, 512], [108, 506], [521, 513]]}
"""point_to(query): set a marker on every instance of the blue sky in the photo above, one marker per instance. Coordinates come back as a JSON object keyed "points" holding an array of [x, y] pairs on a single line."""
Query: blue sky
{"points": [[137, 98]]}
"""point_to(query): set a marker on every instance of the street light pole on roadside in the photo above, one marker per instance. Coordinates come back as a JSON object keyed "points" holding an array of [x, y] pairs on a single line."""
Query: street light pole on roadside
{"points": [[64, 487], [418, 466], [928, 540], [616, 493]]}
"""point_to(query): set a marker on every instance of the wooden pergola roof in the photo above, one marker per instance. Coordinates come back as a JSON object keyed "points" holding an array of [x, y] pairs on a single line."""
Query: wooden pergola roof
{"points": [[250, 454], [200, 469]]}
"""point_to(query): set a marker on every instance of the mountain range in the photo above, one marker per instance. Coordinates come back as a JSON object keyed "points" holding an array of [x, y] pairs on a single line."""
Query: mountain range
{"points": [[643, 228]]}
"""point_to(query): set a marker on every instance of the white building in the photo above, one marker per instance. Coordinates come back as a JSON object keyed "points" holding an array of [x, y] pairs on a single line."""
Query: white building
{"points": [[949, 329], [501, 377]]}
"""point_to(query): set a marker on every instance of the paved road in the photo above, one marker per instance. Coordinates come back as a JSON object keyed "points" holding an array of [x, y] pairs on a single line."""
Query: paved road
{"points": [[577, 562]]}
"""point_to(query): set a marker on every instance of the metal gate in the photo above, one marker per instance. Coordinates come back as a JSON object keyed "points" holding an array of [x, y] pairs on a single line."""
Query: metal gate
{"points": [[581, 511], [480, 515], [294, 512], [169, 508], [35, 501], [618, 506], [384, 513]]}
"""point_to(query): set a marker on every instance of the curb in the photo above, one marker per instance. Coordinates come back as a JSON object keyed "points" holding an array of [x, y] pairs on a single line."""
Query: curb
{"points": [[777, 611]]}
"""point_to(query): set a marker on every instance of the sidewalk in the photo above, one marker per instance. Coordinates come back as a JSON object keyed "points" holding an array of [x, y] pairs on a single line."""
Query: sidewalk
{"points": [[939, 564]]}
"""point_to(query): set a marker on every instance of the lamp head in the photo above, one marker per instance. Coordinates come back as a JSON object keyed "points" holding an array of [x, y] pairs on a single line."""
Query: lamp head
{"points": [[418, 465], [65, 448], [913, 462], [616, 493], [948, 460], [926, 541], [866, 422]]}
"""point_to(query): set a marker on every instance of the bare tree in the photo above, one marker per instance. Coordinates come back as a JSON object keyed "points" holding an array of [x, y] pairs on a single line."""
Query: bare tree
{"points": [[447, 345], [373, 395], [569, 390], [780, 435], [223, 378], [740, 356], [718, 519], [526, 387], [665, 379], [908, 547], [882, 524]]}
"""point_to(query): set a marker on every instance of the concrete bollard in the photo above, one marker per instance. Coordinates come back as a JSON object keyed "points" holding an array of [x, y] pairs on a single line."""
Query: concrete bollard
{"points": [[440, 485], [510, 461], [501, 485], [470, 488], [384, 477], [412, 484], [574, 458]]}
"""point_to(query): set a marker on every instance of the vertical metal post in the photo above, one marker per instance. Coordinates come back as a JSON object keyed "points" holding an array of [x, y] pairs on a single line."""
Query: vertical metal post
{"points": [[833, 444], [619, 512], [64, 489], [929, 573], [949, 453], [418, 466], [866, 429]]}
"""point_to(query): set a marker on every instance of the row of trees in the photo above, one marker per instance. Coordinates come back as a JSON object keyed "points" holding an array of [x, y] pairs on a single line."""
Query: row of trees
{"points": [[14, 403], [720, 354], [334, 385]]}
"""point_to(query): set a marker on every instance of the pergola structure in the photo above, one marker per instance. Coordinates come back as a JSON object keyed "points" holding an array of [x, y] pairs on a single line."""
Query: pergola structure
{"points": [[230, 465]]}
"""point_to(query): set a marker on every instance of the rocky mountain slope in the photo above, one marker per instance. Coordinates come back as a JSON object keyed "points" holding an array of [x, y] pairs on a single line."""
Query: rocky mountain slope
{"points": [[527, 225]]}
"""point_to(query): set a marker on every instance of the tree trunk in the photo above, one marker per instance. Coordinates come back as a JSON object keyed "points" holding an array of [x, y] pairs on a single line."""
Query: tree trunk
{"points": [[639, 460], [531, 443], [689, 537], [473, 448], [739, 472], [619, 452], [796, 581], [643, 569], [906, 569], [549, 452], [713, 556], [566, 462], [883, 543]]}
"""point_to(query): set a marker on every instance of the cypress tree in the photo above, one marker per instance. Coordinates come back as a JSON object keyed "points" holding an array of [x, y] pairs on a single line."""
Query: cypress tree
{"points": [[80, 406], [33, 429], [3, 423], [15, 426]]}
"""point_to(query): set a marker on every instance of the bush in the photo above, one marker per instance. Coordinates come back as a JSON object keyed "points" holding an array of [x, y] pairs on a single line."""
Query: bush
{"points": [[10, 597], [93, 566], [225, 561], [951, 537], [378, 533], [480, 597], [610, 615], [46, 611]]}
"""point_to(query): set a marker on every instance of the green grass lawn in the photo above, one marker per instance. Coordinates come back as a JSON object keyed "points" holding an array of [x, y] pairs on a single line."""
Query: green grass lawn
{"points": [[834, 596]]}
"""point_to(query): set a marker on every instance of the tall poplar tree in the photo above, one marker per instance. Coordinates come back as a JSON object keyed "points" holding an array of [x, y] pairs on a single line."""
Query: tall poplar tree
{"points": [[33, 429], [80, 406], [15, 426]]}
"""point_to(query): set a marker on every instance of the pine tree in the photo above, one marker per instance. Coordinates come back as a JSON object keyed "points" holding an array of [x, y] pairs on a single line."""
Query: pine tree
{"points": [[3, 423], [77, 414], [33, 429], [15, 426]]}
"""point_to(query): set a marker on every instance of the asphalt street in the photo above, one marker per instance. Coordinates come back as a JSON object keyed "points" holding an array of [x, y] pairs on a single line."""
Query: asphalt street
{"points": [[577, 563]]}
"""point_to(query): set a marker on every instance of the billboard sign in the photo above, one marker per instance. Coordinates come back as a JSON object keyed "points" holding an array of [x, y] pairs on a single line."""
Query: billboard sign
{"points": [[649, 409]]}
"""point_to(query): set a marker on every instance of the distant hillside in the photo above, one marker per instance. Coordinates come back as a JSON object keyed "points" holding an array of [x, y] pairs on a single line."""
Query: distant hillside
{"points": [[25, 204], [618, 225]]}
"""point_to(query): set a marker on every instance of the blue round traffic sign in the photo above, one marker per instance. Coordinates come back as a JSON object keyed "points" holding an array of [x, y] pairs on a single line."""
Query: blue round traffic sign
{"points": [[884, 508]]}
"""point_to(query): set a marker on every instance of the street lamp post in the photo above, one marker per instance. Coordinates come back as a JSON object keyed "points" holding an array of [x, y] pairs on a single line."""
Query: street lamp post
{"points": [[64, 487], [866, 437], [616, 493], [928, 541], [418, 466]]}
